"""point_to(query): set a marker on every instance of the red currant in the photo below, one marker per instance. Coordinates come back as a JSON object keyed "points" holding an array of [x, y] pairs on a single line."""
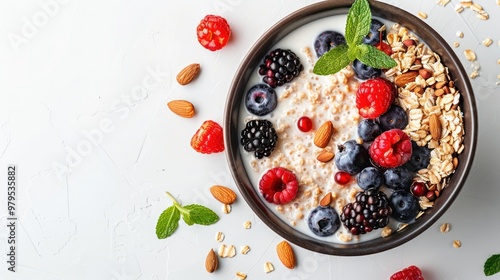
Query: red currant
{"points": [[342, 177], [304, 124], [418, 189], [384, 47]]}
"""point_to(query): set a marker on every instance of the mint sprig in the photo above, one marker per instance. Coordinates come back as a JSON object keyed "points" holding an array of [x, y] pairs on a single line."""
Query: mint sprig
{"points": [[492, 265], [357, 26], [192, 214]]}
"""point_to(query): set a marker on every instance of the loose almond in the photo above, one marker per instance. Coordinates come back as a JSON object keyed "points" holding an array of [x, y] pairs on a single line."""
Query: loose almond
{"points": [[405, 78], [424, 73], [181, 108], [223, 194], [286, 254], [211, 262], [326, 200], [325, 156], [323, 134], [435, 127], [188, 73]]}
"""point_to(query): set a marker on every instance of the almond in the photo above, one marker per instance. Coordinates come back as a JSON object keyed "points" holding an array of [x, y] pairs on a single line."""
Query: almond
{"points": [[325, 156], [188, 73], [435, 127], [223, 194], [424, 73], [211, 262], [181, 108], [405, 78], [326, 200], [286, 254], [323, 134]]}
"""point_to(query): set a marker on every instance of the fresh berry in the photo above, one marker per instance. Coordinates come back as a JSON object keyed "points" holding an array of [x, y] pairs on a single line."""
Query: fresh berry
{"points": [[410, 273], [323, 221], [383, 46], [259, 137], [279, 185], [261, 100], [208, 139], [395, 117], [304, 124], [420, 157], [342, 177], [213, 32], [280, 67], [376, 32], [351, 157], [365, 72], [369, 211], [370, 178], [374, 97], [418, 189], [391, 149], [368, 130], [327, 40], [398, 178], [404, 206]]}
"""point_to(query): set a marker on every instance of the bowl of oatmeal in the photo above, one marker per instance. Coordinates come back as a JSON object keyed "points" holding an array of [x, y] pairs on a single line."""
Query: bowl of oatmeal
{"points": [[307, 159]]}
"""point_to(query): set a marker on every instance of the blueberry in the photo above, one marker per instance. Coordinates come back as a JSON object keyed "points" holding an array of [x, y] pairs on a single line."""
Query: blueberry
{"points": [[261, 100], [395, 117], [398, 178], [323, 221], [370, 178], [328, 40], [373, 37], [420, 157], [352, 157], [365, 72], [368, 130], [404, 206]]}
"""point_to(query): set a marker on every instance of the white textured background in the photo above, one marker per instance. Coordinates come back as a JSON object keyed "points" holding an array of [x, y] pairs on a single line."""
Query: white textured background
{"points": [[75, 69]]}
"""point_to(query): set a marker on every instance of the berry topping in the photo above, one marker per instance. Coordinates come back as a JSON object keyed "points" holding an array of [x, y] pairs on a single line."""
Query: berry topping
{"points": [[410, 273], [420, 157], [208, 139], [365, 72], [370, 211], [342, 177], [404, 206], [327, 40], [418, 189], [213, 32], [261, 100], [368, 130], [370, 178], [323, 221], [398, 178], [279, 185], [391, 149], [395, 117], [374, 97], [376, 33], [259, 137], [383, 46], [280, 67], [304, 124], [352, 157]]}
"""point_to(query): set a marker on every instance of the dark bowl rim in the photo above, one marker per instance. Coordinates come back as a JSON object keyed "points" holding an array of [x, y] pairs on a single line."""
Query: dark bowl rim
{"points": [[271, 37]]}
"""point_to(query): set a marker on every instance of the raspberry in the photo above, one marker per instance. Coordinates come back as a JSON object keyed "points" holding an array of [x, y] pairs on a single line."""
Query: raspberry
{"points": [[208, 139], [279, 185], [374, 97], [213, 32], [391, 149], [410, 273]]}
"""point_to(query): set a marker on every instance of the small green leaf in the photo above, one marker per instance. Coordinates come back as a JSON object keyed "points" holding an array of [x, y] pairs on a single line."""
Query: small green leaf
{"points": [[167, 222], [358, 22], [333, 61], [187, 218], [374, 57], [492, 265], [201, 215]]}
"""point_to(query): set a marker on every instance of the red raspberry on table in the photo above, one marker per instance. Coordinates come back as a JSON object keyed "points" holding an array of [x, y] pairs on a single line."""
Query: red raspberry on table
{"points": [[279, 185], [410, 273], [391, 149], [374, 97], [213, 32], [208, 139]]}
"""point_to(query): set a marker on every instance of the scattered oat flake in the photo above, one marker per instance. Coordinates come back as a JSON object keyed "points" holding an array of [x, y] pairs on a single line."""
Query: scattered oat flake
{"points": [[474, 74], [487, 42], [457, 243], [247, 225], [443, 2], [456, 44], [268, 267], [219, 236], [245, 249], [444, 228], [459, 8], [460, 34], [482, 15], [226, 208], [470, 55], [422, 15], [241, 275]]}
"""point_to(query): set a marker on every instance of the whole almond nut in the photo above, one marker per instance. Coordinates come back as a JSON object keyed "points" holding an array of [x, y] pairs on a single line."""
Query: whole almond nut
{"points": [[405, 78], [325, 156], [326, 200], [212, 261], [424, 73], [223, 194], [182, 108], [435, 127], [188, 73], [286, 254], [323, 134]]}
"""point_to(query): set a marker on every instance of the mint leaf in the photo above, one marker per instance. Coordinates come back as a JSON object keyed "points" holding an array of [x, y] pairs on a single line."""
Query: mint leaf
{"points": [[492, 265], [201, 215], [374, 57], [333, 61], [358, 22], [167, 222]]}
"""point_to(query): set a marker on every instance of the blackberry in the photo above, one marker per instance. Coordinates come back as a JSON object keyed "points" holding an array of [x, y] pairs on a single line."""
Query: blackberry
{"points": [[370, 211], [280, 67], [259, 137]]}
